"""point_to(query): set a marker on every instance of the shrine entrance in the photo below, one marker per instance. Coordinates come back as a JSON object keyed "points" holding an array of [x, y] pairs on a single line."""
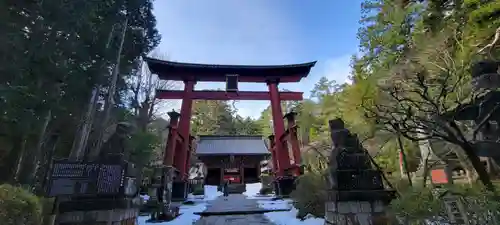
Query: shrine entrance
{"points": [[236, 159], [213, 176], [179, 148]]}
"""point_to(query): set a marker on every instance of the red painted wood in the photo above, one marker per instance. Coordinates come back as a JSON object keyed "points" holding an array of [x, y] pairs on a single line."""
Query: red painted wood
{"points": [[222, 95], [184, 127], [222, 78], [279, 128]]}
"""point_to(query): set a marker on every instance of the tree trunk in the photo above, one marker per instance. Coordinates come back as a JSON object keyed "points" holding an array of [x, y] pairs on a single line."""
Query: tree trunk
{"points": [[21, 148], [478, 166], [34, 160], [12, 159], [425, 172], [468, 167], [403, 164], [81, 138], [470, 152], [45, 163]]}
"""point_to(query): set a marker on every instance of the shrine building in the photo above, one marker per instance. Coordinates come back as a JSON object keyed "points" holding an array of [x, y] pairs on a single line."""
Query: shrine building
{"points": [[236, 159]]}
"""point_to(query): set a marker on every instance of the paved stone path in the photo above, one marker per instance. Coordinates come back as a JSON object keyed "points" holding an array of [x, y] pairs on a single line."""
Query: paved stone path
{"points": [[236, 202]]}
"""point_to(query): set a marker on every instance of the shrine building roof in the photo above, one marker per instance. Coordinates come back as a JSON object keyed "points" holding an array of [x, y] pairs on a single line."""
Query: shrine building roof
{"points": [[231, 145], [168, 70]]}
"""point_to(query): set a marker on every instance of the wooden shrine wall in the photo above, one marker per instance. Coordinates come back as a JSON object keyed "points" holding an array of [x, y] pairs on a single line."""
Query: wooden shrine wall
{"points": [[224, 161]]}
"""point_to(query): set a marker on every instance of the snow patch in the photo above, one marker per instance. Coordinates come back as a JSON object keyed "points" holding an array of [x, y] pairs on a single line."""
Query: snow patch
{"points": [[289, 218], [211, 193], [252, 189], [286, 217], [187, 215], [275, 204], [252, 192], [187, 211]]}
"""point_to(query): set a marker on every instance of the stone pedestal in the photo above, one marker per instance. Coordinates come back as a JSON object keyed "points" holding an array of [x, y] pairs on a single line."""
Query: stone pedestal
{"points": [[99, 217], [179, 191], [274, 185], [355, 213], [284, 186], [169, 174]]}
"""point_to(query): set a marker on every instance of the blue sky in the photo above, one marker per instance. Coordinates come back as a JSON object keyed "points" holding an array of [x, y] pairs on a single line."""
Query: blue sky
{"points": [[261, 32]]}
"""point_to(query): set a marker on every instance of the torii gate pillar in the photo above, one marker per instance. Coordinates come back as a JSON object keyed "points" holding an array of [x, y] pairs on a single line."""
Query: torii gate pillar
{"points": [[185, 126], [279, 128]]}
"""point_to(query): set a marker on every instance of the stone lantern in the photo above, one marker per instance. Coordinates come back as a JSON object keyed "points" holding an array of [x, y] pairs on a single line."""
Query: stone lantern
{"points": [[357, 194]]}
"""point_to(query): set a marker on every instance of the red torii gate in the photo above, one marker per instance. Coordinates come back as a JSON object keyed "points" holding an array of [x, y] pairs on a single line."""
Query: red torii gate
{"points": [[178, 150]]}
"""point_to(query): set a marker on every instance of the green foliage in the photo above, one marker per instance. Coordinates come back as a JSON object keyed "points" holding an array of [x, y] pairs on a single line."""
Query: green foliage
{"points": [[218, 118], [310, 194], [401, 184], [58, 52], [19, 206], [417, 204], [143, 144]]}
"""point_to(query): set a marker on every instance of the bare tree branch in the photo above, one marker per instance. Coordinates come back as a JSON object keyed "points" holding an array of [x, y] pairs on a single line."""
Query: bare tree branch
{"points": [[421, 98], [493, 42]]}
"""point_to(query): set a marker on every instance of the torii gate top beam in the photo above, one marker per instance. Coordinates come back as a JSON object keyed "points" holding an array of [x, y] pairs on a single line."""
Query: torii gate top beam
{"points": [[167, 70]]}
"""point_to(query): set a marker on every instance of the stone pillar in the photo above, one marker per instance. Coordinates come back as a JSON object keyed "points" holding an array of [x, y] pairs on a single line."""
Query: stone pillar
{"points": [[169, 175], [294, 141], [274, 157], [171, 146]]}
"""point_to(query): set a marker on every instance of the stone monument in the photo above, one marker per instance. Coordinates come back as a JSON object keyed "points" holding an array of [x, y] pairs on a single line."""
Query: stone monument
{"points": [[356, 191], [109, 194]]}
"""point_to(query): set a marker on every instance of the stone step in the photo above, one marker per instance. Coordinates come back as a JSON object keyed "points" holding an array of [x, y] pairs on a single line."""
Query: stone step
{"points": [[239, 212]]}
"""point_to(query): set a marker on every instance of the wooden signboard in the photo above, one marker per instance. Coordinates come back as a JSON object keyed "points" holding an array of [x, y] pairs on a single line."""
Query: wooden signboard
{"points": [[69, 178], [232, 178]]}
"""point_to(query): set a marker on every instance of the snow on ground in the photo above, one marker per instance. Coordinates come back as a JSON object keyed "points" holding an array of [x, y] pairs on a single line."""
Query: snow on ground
{"points": [[187, 215], [187, 211], [211, 192], [286, 217], [279, 218], [252, 190]]}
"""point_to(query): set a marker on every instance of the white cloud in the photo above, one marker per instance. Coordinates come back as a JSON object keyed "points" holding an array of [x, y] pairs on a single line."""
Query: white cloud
{"points": [[338, 69]]}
